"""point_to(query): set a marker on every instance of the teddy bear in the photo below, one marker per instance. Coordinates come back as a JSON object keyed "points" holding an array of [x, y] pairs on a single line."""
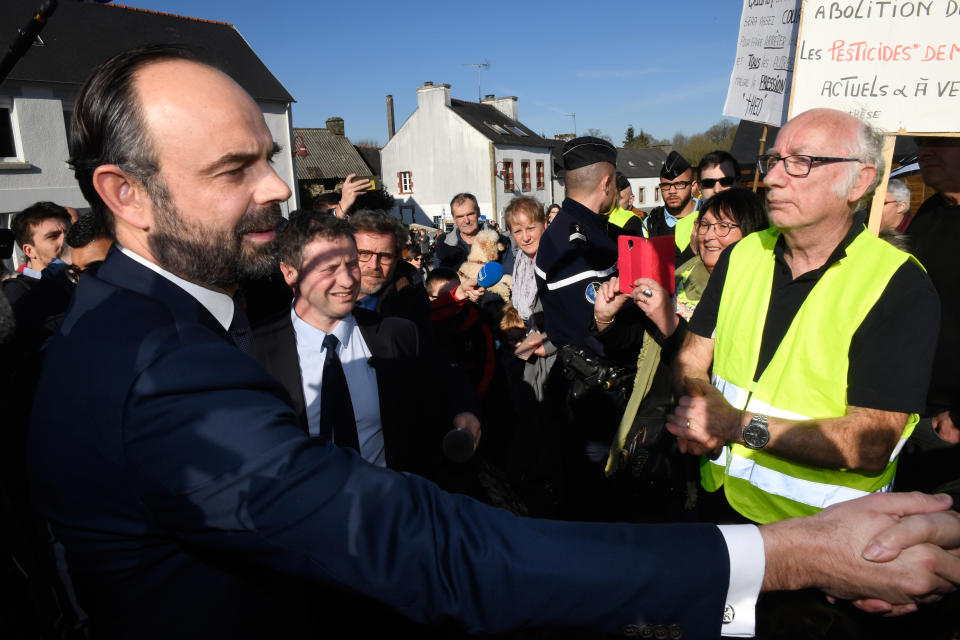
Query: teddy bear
{"points": [[486, 248]]}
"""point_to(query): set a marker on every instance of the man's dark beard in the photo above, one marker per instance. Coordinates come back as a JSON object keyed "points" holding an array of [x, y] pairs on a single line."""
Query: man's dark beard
{"points": [[209, 258]]}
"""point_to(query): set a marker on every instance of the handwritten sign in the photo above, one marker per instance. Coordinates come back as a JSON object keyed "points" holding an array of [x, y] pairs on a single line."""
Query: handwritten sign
{"points": [[892, 63], [763, 68]]}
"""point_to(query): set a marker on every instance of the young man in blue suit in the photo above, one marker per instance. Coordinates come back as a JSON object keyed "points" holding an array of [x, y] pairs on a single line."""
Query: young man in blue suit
{"points": [[191, 504], [382, 356]]}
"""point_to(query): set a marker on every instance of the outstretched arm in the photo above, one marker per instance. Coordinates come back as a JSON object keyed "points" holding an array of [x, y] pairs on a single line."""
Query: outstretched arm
{"points": [[862, 439]]}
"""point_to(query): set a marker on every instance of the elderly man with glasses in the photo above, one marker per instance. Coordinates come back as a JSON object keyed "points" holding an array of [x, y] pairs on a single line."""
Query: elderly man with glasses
{"points": [[815, 384]]}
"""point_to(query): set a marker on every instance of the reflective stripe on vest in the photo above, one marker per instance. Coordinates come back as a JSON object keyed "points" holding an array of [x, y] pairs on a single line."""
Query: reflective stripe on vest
{"points": [[806, 378]]}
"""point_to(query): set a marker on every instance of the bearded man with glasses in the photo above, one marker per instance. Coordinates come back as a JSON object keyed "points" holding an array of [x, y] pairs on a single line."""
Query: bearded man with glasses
{"points": [[388, 284], [678, 214]]}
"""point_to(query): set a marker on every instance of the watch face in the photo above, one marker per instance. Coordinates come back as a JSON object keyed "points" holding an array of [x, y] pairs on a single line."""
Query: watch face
{"points": [[756, 436]]}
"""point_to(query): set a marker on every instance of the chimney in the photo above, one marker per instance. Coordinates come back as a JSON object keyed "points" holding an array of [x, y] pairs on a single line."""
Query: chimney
{"points": [[488, 98], [390, 128], [433, 95], [506, 105], [335, 126]]}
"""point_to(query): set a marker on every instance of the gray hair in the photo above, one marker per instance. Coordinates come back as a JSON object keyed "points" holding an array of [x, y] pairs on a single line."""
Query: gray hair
{"points": [[870, 150], [898, 191]]}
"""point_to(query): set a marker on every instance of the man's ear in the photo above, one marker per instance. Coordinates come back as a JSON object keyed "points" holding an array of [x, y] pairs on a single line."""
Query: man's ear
{"points": [[125, 197], [29, 252], [864, 180], [290, 275]]}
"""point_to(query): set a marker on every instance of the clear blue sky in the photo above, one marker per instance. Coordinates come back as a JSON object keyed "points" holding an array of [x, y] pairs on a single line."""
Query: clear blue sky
{"points": [[662, 67]]}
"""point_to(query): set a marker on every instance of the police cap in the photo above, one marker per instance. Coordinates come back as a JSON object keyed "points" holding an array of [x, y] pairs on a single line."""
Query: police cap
{"points": [[582, 152], [673, 166]]}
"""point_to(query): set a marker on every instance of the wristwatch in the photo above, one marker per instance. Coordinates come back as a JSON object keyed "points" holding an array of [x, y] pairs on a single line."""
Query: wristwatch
{"points": [[756, 435]]}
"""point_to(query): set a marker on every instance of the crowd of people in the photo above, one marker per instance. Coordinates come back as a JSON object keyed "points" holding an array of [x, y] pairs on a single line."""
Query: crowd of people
{"points": [[288, 427]]}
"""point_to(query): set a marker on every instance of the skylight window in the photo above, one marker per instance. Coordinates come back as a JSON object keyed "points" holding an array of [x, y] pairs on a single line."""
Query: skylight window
{"points": [[497, 128]]}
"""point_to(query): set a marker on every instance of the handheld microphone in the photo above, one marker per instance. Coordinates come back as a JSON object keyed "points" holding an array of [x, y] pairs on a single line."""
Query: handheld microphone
{"points": [[490, 274]]}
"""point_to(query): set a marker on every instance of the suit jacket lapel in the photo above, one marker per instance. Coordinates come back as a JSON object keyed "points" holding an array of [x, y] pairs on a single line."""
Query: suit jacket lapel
{"points": [[381, 351], [275, 347]]}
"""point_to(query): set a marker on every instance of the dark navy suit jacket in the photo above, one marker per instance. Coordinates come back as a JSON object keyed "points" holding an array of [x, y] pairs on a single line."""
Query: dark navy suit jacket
{"points": [[413, 429], [191, 504]]}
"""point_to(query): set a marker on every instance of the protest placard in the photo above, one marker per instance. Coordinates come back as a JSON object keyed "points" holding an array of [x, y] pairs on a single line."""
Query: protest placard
{"points": [[894, 64], [763, 67]]}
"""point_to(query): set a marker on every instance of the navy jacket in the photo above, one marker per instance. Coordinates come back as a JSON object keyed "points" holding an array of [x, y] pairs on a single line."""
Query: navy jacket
{"points": [[575, 257], [191, 504]]}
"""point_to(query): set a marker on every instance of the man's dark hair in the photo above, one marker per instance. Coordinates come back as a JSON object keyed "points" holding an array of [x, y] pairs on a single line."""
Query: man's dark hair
{"points": [[717, 158], [85, 230], [460, 198], [107, 124], [377, 221], [303, 227], [441, 274], [325, 201], [740, 205], [27, 220]]}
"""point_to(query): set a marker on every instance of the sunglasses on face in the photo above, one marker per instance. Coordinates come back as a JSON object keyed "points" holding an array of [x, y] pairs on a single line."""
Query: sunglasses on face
{"points": [[710, 183]]}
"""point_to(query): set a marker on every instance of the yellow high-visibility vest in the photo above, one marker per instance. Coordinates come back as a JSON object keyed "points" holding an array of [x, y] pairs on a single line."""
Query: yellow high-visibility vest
{"points": [[806, 378]]}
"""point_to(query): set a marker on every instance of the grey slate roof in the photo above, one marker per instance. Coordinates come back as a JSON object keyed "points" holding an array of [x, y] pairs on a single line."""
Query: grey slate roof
{"points": [[79, 36], [480, 116], [640, 163], [331, 156]]}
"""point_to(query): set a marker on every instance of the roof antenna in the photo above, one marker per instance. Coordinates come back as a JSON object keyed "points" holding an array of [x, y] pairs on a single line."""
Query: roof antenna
{"points": [[479, 66]]}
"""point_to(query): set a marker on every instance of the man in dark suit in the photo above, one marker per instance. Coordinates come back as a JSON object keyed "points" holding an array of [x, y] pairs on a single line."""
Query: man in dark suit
{"points": [[382, 358], [191, 504]]}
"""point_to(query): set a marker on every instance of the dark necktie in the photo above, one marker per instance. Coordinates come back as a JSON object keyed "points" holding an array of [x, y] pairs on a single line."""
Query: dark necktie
{"points": [[240, 329], [336, 409]]}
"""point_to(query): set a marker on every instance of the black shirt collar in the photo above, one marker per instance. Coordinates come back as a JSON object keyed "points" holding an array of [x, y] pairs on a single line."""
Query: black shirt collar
{"points": [[859, 218]]}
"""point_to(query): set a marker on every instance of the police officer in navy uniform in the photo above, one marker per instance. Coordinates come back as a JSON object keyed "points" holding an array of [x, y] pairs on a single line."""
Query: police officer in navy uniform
{"points": [[576, 255]]}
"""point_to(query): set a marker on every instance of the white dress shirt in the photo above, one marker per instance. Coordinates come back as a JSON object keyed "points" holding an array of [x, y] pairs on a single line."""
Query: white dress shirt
{"points": [[361, 381], [744, 542]]}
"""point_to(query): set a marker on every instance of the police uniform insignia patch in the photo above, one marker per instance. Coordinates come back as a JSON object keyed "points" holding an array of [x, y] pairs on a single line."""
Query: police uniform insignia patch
{"points": [[591, 292]]}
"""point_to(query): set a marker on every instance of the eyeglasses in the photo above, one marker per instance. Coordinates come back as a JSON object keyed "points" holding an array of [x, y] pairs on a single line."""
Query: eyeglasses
{"points": [[722, 229], [797, 166], [710, 183], [675, 186], [383, 257]]}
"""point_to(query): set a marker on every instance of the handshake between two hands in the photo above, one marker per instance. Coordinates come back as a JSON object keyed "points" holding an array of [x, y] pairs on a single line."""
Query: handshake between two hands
{"points": [[888, 552]]}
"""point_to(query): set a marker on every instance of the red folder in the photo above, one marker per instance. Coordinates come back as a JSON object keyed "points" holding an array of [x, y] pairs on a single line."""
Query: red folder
{"points": [[646, 258]]}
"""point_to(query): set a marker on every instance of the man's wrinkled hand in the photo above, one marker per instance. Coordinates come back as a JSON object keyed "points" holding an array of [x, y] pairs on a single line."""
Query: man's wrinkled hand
{"points": [[703, 420], [904, 533]]}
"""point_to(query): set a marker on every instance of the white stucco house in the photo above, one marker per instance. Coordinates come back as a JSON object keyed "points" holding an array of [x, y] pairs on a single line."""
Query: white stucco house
{"points": [[642, 169], [37, 98], [448, 146]]}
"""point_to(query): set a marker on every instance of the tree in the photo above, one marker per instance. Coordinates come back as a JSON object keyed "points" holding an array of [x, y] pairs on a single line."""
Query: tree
{"points": [[596, 133], [368, 142], [641, 141], [721, 134]]}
